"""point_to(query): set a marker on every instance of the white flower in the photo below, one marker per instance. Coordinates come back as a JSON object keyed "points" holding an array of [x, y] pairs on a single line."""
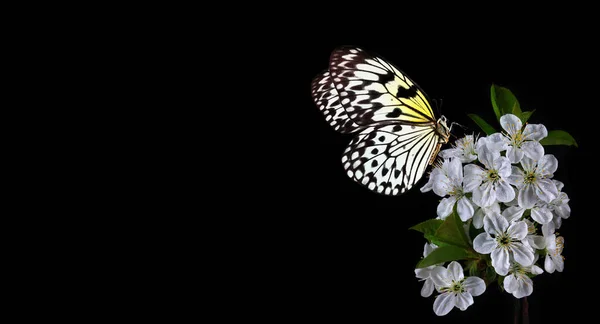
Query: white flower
{"points": [[463, 149], [435, 171], [537, 242], [518, 282], [450, 182], [516, 141], [539, 212], [425, 273], [560, 205], [491, 184], [505, 242], [481, 212], [554, 247], [456, 290], [534, 181]]}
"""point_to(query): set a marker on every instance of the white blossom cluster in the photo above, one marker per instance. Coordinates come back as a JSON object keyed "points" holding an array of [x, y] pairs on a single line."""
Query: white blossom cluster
{"points": [[503, 186]]}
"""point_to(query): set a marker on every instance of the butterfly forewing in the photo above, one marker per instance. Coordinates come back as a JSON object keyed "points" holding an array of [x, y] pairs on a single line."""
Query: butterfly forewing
{"points": [[328, 101], [372, 90], [390, 159]]}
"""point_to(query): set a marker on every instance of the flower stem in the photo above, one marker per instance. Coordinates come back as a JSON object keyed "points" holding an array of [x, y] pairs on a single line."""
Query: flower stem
{"points": [[521, 311]]}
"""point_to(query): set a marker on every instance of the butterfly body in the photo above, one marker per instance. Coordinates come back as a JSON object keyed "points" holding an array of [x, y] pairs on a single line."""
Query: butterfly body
{"points": [[396, 132]]}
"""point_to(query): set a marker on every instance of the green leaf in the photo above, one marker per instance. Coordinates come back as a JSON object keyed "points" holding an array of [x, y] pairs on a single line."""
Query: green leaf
{"points": [[452, 232], [504, 102], [525, 115], [432, 239], [497, 110], [487, 128], [428, 227], [558, 137], [444, 254]]}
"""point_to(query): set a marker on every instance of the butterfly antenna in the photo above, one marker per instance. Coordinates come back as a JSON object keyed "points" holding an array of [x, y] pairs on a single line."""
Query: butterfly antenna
{"points": [[457, 124]]}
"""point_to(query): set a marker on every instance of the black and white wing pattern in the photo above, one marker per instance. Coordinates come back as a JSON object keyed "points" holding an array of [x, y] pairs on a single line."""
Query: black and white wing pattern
{"points": [[397, 134], [390, 159], [373, 90], [328, 101]]}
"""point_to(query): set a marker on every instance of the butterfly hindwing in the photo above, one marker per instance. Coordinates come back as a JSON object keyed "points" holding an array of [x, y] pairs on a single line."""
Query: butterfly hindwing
{"points": [[372, 90], [328, 101], [390, 159]]}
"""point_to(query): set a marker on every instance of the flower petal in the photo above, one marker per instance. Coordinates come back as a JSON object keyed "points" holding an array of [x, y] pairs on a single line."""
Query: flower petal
{"points": [[456, 271], [510, 283], [423, 273], [474, 285], [484, 243], [547, 165], [564, 211], [429, 185], [559, 263], [427, 289], [485, 195], [516, 177], [514, 154], [502, 164], [487, 157], [464, 300], [494, 208], [478, 218], [511, 123], [495, 224], [536, 241], [549, 265], [500, 261], [536, 270], [442, 185], [440, 276], [517, 230], [522, 253], [550, 242], [497, 142], [548, 229], [535, 132], [504, 192], [557, 222], [533, 150], [455, 171], [559, 184], [524, 287], [527, 196], [445, 207], [541, 215], [546, 190], [465, 209], [473, 177], [450, 153], [528, 164], [428, 248], [513, 213], [444, 303]]}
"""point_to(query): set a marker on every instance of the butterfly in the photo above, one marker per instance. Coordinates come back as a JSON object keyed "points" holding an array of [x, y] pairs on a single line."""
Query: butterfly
{"points": [[397, 134]]}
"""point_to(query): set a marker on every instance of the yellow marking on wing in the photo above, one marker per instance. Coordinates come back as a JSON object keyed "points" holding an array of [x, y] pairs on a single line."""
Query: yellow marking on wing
{"points": [[409, 102]]}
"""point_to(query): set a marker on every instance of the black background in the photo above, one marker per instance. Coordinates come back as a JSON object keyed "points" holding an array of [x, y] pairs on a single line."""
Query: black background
{"points": [[341, 252]]}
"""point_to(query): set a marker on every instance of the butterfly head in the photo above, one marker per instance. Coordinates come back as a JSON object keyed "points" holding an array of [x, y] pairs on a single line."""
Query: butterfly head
{"points": [[443, 130]]}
